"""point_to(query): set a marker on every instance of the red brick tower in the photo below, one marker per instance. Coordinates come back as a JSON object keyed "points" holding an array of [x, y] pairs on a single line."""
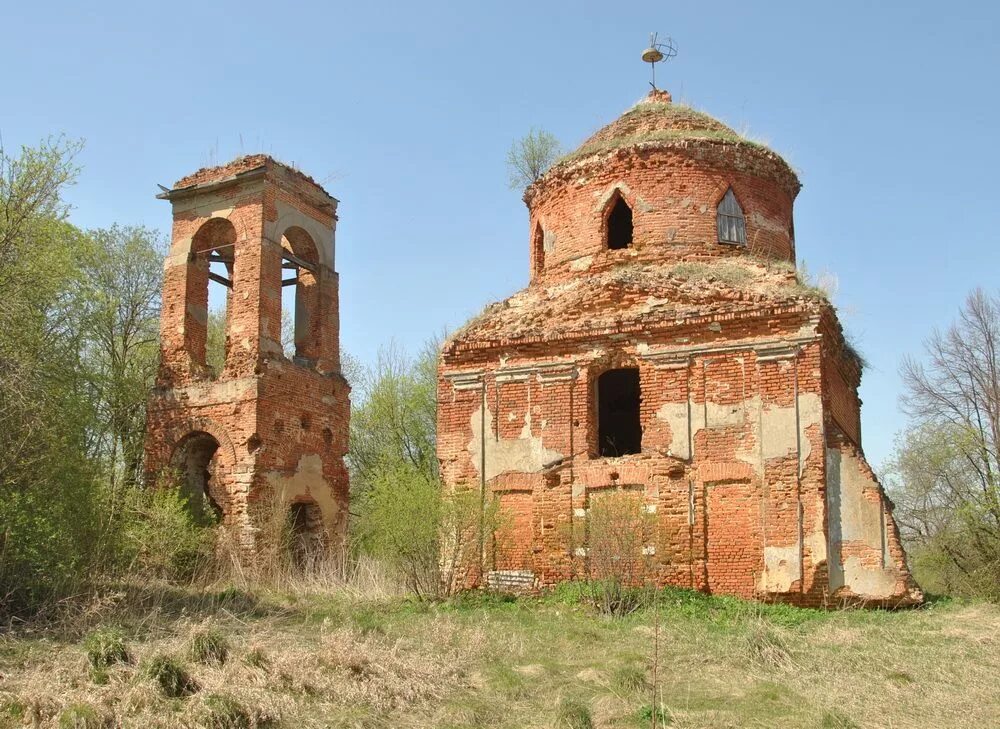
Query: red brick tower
{"points": [[264, 423], [665, 348]]}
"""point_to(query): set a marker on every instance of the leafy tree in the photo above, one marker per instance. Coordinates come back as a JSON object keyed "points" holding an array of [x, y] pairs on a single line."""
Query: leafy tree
{"points": [[530, 157], [393, 422], [945, 473], [120, 305], [48, 506]]}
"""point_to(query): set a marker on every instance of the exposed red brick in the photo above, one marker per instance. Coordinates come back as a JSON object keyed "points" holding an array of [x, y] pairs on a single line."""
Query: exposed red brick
{"points": [[750, 459], [281, 423]]}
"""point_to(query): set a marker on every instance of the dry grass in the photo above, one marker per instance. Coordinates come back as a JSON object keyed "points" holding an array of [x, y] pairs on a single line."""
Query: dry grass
{"points": [[335, 657]]}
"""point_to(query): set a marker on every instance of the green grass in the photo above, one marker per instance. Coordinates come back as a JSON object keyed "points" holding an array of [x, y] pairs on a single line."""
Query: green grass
{"points": [[209, 647], [106, 647], [495, 661], [171, 676]]}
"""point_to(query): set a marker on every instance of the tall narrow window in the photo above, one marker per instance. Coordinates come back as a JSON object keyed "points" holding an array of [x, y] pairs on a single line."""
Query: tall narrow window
{"points": [[619, 429], [732, 226], [538, 251], [208, 296], [299, 295], [619, 224]]}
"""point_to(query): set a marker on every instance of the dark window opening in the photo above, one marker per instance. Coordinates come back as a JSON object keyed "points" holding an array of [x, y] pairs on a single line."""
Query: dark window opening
{"points": [[306, 524], [538, 251], [731, 223], [619, 430], [620, 225], [196, 464]]}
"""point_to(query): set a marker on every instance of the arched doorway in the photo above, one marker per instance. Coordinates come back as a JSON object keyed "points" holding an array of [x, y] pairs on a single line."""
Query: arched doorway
{"points": [[307, 536], [196, 463]]}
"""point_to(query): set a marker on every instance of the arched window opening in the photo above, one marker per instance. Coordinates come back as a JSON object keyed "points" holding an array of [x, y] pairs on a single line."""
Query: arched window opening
{"points": [[209, 294], [307, 536], [538, 251], [731, 223], [619, 226], [299, 295], [195, 461], [619, 428]]}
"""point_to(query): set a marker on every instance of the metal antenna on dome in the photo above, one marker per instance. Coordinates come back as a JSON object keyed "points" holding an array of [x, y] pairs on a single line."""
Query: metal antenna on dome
{"points": [[658, 51]]}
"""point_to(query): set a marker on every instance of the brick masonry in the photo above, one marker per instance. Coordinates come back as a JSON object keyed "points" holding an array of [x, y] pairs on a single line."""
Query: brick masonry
{"points": [[750, 465], [267, 426]]}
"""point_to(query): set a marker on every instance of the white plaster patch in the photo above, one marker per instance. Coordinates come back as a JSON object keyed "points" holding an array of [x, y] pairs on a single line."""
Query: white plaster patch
{"points": [[773, 427], [855, 519], [581, 264], [675, 414], [781, 569], [777, 428], [215, 392], [307, 482], [524, 454], [862, 580]]}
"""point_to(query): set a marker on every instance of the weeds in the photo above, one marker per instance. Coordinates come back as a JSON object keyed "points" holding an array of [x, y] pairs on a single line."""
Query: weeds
{"points": [[573, 714], [257, 658], [220, 711], [629, 678], [763, 647], [82, 716], [106, 647], [209, 647], [171, 676], [489, 660]]}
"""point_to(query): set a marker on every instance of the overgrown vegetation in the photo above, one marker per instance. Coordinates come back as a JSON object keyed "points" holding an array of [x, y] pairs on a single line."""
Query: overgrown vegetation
{"points": [[945, 474], [530, 157], [342, 658]]}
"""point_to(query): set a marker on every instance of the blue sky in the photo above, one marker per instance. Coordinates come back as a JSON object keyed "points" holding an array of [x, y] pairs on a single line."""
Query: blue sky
{"points": [[405, 112]]}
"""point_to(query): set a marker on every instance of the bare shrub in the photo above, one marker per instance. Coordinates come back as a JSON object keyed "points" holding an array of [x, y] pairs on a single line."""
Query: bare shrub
{"points": [[619, 533], [530, 157]]}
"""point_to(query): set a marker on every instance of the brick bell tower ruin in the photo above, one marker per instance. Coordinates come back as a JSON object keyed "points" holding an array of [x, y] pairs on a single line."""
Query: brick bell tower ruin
{"points": [[263, 422], [665, 348]]}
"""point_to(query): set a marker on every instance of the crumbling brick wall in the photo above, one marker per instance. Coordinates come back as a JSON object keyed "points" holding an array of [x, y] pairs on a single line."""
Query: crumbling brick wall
{"points": [[281, 423], [743, 374]]}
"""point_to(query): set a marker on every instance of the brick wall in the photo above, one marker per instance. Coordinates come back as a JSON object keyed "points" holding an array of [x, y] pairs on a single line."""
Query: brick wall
{"points": [[281, 423], [743, 377]]}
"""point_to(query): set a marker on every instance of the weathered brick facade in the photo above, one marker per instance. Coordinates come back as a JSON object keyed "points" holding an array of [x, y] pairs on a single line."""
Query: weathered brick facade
{"points": [[267, 424], [750, 460]]}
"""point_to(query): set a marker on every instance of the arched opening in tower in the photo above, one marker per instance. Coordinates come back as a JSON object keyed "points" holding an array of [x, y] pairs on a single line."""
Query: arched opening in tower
{"points": [[619, 224], [195, 461], [208, 304], [299, 294], [619, 428], [306, 534]]}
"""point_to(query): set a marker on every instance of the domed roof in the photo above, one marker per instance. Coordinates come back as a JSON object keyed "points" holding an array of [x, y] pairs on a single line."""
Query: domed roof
{"points": [[657, 122]]}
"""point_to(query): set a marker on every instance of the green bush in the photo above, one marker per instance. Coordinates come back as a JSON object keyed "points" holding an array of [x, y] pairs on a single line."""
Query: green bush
{"points": [[209, 647], [171, 676], [220, 711], [573, 714], [629, 678], [408, 522], [105, 647], [82, 716], [167, 536]]}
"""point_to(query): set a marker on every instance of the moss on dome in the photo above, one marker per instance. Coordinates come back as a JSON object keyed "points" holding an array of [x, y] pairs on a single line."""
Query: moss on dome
{"points": [[653, 121]]}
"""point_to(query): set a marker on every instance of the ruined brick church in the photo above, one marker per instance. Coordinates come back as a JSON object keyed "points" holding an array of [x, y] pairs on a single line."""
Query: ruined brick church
{"points": [[665, 348], [270, 417]]}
